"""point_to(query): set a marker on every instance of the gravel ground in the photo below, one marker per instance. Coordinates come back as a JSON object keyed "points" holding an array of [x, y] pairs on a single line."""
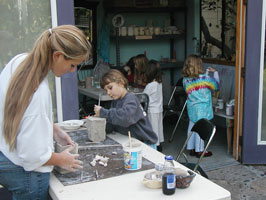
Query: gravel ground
{"points": [[245, 182]]}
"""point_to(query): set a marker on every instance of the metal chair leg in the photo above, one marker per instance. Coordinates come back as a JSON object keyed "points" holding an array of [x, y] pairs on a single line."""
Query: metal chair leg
{"points": [[169, 102], [172, 136]]}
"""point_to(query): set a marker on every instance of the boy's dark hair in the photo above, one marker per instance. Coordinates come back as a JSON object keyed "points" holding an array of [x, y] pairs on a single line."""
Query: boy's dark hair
{"points": [[153, 72], [131, 64]]}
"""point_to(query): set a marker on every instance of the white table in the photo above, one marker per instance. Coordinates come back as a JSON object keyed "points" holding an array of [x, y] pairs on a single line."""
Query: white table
{"points": [[129, 186], [95, 93]]}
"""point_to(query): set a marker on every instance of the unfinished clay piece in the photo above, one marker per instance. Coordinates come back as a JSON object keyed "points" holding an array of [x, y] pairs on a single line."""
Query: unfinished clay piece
{"points": [[96, 129], [102, 160], [59, 148]]}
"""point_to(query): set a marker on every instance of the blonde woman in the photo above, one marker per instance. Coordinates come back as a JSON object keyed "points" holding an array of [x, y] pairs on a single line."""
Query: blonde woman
{"points": [[27, 130]]}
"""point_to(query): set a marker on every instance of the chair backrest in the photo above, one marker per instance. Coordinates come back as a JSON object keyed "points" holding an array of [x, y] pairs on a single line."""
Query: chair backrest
{"points": [[206, 131], [204, 128], [144, 100], [179, 82]]}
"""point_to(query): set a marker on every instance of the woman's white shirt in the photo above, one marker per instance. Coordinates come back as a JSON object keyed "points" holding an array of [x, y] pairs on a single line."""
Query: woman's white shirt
{"points": [[34, 143]]}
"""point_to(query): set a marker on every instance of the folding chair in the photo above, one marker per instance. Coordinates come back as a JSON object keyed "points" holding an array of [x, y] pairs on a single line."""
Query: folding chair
{"points": [[144, 100], [178, 107], [206, 131]]}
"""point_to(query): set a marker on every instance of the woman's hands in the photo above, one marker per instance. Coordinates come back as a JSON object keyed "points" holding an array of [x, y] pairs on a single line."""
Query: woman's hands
{"points": [[61, 136], [64, 159], [69, 161], [97, 110]]}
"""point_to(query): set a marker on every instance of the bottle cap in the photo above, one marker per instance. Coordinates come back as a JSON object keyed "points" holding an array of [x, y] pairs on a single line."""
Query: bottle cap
{"points": [[169, 157]]}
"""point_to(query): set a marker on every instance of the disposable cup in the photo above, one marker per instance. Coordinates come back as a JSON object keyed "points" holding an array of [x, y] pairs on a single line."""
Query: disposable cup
{"points": [[132, 155]]}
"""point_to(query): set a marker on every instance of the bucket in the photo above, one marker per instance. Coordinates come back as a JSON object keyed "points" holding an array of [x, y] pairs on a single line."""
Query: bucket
{"points": [[132, 156]]}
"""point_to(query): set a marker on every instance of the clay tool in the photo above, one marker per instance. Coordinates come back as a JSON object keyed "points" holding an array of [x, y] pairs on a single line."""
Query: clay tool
{"points": [[129, 137], [96, 174], [99, 99], [81, 175]]}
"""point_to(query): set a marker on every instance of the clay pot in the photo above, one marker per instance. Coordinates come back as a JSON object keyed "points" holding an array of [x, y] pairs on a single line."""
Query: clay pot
{"points": [[157, 31], [124, 31], [136, 31], [130, 31]]}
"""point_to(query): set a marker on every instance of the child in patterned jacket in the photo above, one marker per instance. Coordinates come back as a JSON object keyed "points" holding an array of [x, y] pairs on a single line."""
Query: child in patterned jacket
{"points": [[198, 86]]}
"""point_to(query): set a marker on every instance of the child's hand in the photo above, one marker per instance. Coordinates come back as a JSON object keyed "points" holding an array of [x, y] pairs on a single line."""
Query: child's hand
{"points": [[97, 110], [127, 69], [210, 69]]}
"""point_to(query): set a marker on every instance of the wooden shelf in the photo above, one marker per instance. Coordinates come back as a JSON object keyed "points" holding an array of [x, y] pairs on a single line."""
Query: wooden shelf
{"points": [[219, 62], [82, 26], [141, 10], [150, 37]]}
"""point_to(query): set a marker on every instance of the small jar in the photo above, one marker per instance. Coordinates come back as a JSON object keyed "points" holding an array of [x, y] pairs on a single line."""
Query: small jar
{"points": [[220, 104], [229, 109]]}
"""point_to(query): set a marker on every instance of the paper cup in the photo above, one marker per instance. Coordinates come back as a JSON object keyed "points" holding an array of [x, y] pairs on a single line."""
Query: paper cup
{"points": [[132, 156]]}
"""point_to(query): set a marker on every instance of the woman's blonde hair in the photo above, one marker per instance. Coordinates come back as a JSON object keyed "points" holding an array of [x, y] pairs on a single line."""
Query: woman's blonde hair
{"points": [[66, 39], [192, 66], [113, 76]]}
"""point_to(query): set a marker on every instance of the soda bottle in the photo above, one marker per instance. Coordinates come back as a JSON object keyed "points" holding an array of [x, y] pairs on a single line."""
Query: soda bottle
{"points": [[169, 182]]}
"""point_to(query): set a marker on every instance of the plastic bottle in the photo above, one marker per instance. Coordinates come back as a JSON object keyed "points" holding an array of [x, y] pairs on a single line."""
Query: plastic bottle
{"points": [[169, 182]]}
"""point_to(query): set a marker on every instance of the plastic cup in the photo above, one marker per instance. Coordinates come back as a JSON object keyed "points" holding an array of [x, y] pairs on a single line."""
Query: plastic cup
{"points": [[132, 155]]}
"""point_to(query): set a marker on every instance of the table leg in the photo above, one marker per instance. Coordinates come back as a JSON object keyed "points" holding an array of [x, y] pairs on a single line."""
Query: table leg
{"points": [[229, 127]]}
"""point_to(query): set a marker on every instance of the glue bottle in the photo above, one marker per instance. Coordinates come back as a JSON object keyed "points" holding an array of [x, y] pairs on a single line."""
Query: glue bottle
{"points": [[169, 182]]}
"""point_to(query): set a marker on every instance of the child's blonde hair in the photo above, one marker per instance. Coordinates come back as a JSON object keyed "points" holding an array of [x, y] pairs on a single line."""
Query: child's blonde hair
{"points": [[192, 66], [113, 76]]}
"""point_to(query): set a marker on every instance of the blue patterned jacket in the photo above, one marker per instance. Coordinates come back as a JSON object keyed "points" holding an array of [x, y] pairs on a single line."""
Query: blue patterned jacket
{"points": [[199, 104]]}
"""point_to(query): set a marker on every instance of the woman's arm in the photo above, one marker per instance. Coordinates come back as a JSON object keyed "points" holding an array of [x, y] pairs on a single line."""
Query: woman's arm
{"points": [[64, 159]]}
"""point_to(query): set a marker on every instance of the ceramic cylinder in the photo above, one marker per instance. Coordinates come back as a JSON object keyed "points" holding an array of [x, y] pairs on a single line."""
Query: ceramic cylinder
{"points": [[124, 31], [130, 31], [136, 31]]}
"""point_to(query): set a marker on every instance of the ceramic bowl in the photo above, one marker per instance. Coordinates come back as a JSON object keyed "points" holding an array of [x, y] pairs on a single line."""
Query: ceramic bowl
{"points": [[184, 181], [153, 180], [71, 124]]}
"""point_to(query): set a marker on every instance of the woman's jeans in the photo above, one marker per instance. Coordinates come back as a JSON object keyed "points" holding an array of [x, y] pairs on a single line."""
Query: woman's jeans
{"points": [[24, 185]]}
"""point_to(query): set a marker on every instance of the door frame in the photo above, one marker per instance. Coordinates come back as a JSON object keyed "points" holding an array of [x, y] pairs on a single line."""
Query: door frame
{"points": [[252, 151], [239, 78]]}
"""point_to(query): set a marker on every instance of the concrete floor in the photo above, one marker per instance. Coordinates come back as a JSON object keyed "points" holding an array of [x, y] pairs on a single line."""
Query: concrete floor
{"points": [[218, 146], [245, 182]]}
